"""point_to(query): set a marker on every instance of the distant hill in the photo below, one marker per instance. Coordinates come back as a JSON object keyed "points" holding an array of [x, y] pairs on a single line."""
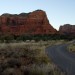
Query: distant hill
{"points": [[67, 29]]}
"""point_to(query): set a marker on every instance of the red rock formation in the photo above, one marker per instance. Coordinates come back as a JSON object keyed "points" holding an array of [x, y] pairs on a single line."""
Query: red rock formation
{"points": [[35, 22], [67, 29]]}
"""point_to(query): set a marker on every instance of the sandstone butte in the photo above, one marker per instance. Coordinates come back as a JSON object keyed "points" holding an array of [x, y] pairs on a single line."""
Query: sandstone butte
{"points": [[67, 29], [35, 22]]}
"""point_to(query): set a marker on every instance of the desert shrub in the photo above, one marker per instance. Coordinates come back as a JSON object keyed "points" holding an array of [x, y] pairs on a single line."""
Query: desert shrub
{"points": [[8, 71], [12, 71], [14, 63], [27, 57], [71, 48]]}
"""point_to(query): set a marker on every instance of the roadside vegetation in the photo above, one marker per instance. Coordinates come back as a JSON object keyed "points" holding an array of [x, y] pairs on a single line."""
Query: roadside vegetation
{"points": [[71, 48], [27, 58]]}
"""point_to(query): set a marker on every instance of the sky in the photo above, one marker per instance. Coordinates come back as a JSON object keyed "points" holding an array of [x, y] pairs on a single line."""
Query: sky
{"points": [[59, 12]]}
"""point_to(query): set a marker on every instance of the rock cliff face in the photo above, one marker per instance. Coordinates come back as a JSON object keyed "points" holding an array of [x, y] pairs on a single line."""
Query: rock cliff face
{"points": [[35, 22], [67, 29]]}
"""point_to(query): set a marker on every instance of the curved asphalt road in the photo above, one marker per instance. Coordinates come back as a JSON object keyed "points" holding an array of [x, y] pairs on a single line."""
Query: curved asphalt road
{"points": [[62, 58]]}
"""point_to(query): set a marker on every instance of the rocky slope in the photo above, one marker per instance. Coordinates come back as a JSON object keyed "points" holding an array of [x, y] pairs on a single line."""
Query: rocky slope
{"points": [[67, 29], [35, 22]]}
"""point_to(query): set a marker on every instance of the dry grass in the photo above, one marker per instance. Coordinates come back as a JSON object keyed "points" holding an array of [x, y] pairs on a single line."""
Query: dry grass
{"points": [[27, 58], [71, 48]]}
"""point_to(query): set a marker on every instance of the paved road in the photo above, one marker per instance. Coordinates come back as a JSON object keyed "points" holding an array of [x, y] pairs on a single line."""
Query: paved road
{"points": [[62, 58]]}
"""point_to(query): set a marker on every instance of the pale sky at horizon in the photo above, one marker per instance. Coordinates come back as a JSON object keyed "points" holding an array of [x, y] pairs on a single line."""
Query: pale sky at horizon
{"points": [[59, 12]]}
